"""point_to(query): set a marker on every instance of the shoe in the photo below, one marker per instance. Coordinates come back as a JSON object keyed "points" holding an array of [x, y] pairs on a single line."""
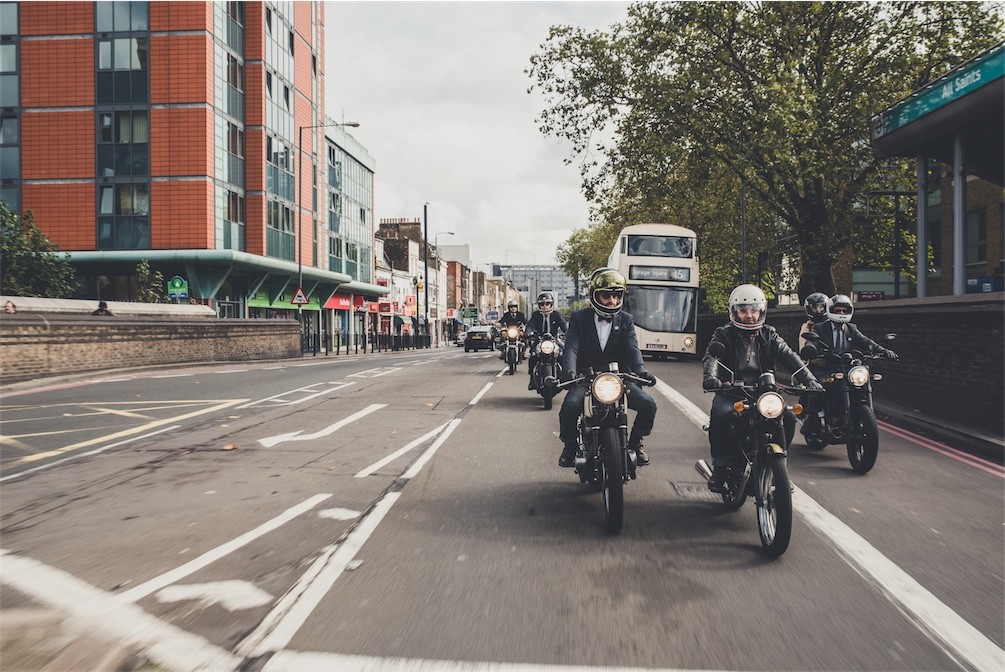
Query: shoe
{"points": [[641, 458], [530, 385], [568, 457], [717, 483]]}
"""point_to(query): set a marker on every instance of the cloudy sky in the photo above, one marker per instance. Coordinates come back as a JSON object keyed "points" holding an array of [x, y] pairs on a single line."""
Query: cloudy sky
{"points": [[440, 93]]}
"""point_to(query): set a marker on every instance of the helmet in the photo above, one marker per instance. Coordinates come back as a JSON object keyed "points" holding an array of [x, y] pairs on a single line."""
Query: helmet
{"points": [[607, 280], [816, 307], [512, 304], [840, 309], [545, 302], [747, 296]]}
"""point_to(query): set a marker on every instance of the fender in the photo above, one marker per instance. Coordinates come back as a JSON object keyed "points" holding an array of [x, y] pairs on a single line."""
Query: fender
{"points": [[776, 449]]}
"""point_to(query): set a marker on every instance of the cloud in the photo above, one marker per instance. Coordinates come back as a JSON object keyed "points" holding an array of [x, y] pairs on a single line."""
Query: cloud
{"points": [[440, 92]]}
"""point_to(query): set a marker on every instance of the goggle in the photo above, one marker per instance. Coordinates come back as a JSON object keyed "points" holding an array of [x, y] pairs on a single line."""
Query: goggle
{"points": [[610, 293], [544, 303]]}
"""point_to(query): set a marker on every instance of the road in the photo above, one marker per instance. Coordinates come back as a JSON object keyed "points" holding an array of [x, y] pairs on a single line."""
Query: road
{"points": [[406, 511]]}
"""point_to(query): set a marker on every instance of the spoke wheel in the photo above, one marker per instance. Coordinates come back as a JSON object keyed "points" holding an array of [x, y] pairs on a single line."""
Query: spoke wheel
{"points": [[863, 439], [774, 512], [613, 480]]}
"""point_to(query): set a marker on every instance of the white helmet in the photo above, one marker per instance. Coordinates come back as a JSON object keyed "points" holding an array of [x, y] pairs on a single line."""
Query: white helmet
{"points": [[747, 296], [545, 302], [840, 309]]}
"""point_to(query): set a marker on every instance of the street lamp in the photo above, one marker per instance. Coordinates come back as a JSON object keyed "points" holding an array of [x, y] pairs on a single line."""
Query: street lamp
{"points": [[299, 201], [436, 244]]}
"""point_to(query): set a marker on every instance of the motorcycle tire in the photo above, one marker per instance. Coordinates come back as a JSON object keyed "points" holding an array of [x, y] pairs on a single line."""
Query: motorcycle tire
{"points": [[774, 512], [863, 439], [547, 399], [613, 480], [512, 368]]}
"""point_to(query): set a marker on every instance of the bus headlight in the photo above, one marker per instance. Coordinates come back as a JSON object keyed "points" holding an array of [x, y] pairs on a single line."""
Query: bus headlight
{"points": [[770, 405], [689, 341], [547, 347], [858, 376], [607, 388]]}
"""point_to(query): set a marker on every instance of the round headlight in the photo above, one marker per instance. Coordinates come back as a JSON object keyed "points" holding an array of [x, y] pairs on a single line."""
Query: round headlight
{"points": [[511, 332], [688, 341], [770, 405], [858, 376], [547, 347], [607, 388]]}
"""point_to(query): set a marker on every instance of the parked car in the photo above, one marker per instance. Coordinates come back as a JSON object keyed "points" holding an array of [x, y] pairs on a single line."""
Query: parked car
{"points": [[478, 338], [459, 338]]}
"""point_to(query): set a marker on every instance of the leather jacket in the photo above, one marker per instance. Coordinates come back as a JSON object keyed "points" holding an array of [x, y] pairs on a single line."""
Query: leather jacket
{"points": [[749, 358]]}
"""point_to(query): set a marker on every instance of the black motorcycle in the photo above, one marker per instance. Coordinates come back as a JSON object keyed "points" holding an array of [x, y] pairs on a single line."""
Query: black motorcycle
{"points": [[603, 458], [763, 473], [844, 412], [547, 350], [512, 346]]}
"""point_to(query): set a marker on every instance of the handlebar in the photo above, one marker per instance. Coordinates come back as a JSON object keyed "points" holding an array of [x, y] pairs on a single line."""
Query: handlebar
{"points": [[578, 380]]}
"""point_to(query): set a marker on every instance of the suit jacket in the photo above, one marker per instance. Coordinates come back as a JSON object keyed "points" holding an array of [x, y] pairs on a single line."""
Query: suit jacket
{"points": [[508, 320], [557, 323], [854, 339], [582, 346]]}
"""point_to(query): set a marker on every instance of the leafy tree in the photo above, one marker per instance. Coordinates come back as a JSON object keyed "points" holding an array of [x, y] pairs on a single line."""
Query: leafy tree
{"points": [[691, 100], [150, 284], [31, 263]]}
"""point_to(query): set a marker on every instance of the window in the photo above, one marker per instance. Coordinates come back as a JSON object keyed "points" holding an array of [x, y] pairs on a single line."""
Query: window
{"points": [[976, 237], [122, 71], [123, 147], [268, 20], [8, 18], [121, 17]]}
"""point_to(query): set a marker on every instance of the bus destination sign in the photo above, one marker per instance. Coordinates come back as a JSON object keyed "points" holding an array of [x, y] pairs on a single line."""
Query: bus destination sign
{"points": [[659, 273]]}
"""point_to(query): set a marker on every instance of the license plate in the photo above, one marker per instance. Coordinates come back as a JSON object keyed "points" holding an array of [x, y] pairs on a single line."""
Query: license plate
{"points": [[656, 346]]}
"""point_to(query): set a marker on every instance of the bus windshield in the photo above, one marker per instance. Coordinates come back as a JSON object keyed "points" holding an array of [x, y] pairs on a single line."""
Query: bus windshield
{"points": [[679, 247], [662, 308]]}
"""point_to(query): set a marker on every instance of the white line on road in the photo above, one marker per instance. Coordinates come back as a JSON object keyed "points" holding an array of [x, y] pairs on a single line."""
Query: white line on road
{"points": [[309, 388], [944, 626], [270, 441], [478, 396], [426, 456], [398, 453], [205, 559]]}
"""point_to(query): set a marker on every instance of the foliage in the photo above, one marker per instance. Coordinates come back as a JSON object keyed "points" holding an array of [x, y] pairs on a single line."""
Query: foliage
{"points": [[31, 263], [691, 100], [150, 287]]}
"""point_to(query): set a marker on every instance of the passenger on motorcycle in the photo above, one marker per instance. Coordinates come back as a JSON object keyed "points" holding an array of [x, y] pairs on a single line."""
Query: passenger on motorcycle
{"points": [[840, 334], [816, 313], [598, 336], [544, 320], [751, 347], [513, 317]]}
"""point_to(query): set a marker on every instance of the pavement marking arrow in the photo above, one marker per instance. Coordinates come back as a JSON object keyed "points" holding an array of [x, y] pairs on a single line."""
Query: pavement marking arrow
{"points": [[231, 595], [271, 441]]}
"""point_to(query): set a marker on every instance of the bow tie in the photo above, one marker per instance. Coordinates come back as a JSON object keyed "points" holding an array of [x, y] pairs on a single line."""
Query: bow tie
{"points": [[605, 319]]}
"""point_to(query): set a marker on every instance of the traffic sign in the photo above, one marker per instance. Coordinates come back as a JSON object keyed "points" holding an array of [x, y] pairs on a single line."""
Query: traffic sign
{"points": [[177, 288], [299, 299]]}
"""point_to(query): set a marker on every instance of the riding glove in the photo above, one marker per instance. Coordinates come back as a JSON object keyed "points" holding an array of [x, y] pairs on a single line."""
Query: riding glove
{"points": [[650, 378], [710, 383]]}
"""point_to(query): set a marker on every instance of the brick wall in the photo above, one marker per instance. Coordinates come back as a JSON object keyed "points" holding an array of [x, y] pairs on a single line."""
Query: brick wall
{"points": [[36, 346], [952, 353]]}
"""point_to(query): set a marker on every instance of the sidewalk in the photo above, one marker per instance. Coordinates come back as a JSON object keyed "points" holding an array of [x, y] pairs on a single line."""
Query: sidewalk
{"points": [[943, 430]]}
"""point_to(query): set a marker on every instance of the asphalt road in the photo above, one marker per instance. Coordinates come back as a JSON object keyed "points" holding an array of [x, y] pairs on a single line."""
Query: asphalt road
{"points": [[406, 511]]}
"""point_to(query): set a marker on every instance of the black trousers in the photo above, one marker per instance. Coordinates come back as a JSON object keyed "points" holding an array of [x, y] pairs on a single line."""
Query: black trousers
{"points": [[638, 400], [722, 442]]}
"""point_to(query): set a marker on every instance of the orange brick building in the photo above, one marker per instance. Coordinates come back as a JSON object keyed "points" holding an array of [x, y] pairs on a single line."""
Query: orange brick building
{"points": [[183, 133]]}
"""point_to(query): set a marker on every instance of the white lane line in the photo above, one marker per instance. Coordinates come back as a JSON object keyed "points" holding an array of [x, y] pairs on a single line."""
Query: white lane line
{"points": [[941, 624], [270, 441], [205, 559], [91, 610], [309, 388], [478, 396], [426, 456], [291, 612], [88, 453], [398, 453]]}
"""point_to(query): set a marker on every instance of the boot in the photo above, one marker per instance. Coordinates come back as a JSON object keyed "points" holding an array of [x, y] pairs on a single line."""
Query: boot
{"points": [[717, 483], [568, 457], [635, 443]]}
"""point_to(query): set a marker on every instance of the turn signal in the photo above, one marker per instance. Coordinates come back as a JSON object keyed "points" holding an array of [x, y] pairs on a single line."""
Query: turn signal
{"points": [[797, 409], [739, 407]]}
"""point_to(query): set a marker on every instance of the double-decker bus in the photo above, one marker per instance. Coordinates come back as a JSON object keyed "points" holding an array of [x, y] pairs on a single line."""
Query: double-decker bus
{"points": [[660, 262]]}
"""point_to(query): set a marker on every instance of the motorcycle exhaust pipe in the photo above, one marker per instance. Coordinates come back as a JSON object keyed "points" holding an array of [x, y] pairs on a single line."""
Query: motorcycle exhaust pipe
{"points": [[701, 466]]}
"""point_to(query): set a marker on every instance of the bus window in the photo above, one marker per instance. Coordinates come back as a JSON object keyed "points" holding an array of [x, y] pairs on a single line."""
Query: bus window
{"points": [[679, 247]]}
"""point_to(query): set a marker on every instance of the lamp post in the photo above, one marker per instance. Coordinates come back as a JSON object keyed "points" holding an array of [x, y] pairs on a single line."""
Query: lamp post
{"points": [[425, 261], [298, 203], [436, 244]]}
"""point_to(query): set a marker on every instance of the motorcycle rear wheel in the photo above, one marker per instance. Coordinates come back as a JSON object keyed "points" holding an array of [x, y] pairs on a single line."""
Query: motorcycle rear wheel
{"points": [[863, 439], [547, 400], [774, 513], [613, 480]]}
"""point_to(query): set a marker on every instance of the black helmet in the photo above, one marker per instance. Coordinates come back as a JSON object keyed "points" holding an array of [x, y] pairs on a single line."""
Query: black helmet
{"points": [[545, 302], [607, 280], [816, 307]]}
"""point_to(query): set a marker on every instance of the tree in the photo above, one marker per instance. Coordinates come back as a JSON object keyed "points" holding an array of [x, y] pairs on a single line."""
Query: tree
{"points": [[776, 95], [149, 285], [31, 263]]}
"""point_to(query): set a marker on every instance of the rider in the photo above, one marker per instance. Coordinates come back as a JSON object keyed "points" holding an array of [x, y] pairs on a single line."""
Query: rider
{"points": [[543, 321], [513, 317], [751, 347], [816, 313], [598, 336]]}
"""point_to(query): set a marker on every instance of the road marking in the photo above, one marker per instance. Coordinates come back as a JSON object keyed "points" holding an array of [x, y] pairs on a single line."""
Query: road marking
{"points": [[398, 453], [92, 610], [942, 449], [478, 396], [310, 388], [426, 456], [369, 373], [271, 441], [205, 559], [128, 432], [231, 595], [941, 624]]}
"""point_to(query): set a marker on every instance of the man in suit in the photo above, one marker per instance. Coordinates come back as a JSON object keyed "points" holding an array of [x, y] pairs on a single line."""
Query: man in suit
{"points": [[542, 321], [598, 336]]}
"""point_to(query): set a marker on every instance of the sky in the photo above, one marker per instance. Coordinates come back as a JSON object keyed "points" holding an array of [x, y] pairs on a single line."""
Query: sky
{"points": [[440, 93]]}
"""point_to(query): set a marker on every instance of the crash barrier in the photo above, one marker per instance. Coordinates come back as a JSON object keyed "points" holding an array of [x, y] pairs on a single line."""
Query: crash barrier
{"points": [[952, 353]]}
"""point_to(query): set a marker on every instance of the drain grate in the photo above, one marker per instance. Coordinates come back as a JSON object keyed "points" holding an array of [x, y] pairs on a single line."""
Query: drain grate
{"points": [[692, 490]]}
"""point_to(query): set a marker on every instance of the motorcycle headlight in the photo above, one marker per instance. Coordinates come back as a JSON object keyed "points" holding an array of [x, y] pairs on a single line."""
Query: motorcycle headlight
{"points": [[547, 347], [858, 376], [770, 405], [511, 332], [607, 388]]}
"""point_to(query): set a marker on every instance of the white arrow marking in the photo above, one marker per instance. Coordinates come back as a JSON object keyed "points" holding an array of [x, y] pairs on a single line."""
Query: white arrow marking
{"points": [[297, 436], [232, 595]]}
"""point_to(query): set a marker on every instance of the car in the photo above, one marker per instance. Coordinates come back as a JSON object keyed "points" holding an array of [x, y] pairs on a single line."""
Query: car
{"points": [[478, 338], [459, 338]]}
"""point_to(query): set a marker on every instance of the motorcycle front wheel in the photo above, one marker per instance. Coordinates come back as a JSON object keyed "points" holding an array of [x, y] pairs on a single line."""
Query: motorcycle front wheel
{"points": [[547, 399], [774, 511], [613, 480], [863, 439]]}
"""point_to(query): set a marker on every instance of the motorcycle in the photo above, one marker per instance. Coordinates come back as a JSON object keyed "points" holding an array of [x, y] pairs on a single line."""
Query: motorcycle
{"points": [[512, 346], [757, 426], [845, 414], [548, 354], [603, 458]]}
